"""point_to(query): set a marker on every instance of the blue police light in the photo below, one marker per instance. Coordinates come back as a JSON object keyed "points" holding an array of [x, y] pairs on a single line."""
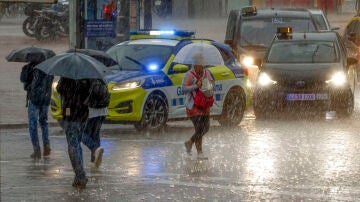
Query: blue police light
{"points": [[153, 67], [180, 33]]}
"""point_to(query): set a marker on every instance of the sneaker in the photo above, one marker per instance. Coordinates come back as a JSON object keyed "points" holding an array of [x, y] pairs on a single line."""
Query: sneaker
{"points": [[36, 155], [98, 156], [201, 156], [47, 150], [188, 146], [80, 183]]}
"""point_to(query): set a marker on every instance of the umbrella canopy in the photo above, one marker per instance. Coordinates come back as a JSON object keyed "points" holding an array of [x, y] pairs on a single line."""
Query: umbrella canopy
{"points": [[30, 54], [74, 66], [211, 54], [101, 56]]}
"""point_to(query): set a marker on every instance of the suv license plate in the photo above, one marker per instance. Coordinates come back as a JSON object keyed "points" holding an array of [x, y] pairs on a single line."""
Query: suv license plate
{"points": [[312, 96]]}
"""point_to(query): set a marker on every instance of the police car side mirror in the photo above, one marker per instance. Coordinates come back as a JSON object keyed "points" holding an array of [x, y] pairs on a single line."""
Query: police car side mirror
{"points": [[180, 68]]}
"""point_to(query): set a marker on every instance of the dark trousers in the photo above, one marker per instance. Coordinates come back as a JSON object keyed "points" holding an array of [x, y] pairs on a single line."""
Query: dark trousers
{"points": [[201, 124], [91, 134]]}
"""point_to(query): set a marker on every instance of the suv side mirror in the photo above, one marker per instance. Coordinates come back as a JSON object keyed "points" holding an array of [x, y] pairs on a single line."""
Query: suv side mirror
{"points": [[257, 61], [228, 41], [351, 61]]}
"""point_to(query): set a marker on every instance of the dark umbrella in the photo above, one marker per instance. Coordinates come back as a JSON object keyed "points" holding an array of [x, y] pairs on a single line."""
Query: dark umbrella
{"points": [[30, 54], [103, 57], [74, 66]]}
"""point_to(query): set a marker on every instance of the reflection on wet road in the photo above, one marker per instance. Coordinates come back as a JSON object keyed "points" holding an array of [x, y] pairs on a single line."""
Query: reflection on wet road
{"points": [[281, 159]]}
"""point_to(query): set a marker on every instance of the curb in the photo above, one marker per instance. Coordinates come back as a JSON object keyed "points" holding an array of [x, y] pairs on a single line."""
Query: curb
{"points": [[22, 125]]}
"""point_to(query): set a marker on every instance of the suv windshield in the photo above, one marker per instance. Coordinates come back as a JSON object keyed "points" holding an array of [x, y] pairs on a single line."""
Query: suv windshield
{"points": [[303, 52], [260, 32], [140, 57]]}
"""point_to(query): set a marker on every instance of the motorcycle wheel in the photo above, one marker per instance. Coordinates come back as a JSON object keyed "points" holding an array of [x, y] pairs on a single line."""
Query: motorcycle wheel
{"points": [[29, 26], [43, 32]]}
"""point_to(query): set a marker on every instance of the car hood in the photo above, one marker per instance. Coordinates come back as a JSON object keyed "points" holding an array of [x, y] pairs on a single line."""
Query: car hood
{"points": [[150, 79], [258, 53], [122, 76], [286, 72]]}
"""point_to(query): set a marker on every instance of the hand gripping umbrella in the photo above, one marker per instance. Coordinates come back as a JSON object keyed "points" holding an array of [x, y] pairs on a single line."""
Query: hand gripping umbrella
{"points": [[74, 66]]}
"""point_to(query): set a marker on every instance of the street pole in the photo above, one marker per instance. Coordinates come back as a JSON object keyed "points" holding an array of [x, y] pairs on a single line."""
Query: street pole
{"points": [[147, 14], [76, 24], [72, 23]]}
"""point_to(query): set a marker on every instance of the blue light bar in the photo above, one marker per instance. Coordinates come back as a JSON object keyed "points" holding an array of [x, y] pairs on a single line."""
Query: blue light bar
{"points": [[181, 33]]}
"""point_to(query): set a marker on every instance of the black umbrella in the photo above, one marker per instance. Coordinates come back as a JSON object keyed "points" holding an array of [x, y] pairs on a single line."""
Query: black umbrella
{"points": [[30, 54], [74, 66], [103, 57]]}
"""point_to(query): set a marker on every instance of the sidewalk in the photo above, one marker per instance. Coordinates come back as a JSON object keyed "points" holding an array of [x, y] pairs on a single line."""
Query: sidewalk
{"points": [[13, 113]]}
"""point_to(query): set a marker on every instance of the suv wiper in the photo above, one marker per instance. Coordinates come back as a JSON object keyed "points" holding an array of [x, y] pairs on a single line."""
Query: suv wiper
{"points": [[255, 46], [136, 62]]}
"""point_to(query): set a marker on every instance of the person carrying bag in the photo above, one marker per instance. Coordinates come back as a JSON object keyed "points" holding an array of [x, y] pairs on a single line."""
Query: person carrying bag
{"points": [[198, 88]]}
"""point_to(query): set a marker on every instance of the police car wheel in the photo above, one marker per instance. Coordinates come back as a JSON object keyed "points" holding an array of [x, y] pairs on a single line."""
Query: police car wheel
{"points": [[233, 108], [155, 114]]}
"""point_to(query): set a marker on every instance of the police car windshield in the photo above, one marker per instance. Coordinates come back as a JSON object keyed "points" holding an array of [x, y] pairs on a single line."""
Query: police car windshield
{"points": [[303, 52], [260, 32], [140, 57]]}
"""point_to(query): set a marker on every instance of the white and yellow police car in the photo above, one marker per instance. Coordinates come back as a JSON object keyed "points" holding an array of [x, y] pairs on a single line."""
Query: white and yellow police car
{"points": [[146, 85]]}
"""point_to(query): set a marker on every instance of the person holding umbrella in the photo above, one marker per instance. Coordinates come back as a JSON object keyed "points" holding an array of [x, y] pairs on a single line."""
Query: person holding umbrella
{"points": [[38, 87], [194, 81], [75, 70]]}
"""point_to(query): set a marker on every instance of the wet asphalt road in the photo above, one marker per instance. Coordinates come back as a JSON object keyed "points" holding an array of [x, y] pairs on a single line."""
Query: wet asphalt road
{"points": [[285, 159]]}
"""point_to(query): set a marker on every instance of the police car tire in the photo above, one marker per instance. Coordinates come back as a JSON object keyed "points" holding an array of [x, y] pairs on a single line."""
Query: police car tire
{"points": [[233, 108], [149, 109]]}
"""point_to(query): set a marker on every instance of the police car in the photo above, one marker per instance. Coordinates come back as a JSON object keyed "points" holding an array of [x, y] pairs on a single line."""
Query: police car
{"points": [[146, 85], [306, 71]]}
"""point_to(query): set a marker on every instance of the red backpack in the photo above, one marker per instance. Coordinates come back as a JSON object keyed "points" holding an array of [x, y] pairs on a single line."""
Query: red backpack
{"points": [[200, 100]]}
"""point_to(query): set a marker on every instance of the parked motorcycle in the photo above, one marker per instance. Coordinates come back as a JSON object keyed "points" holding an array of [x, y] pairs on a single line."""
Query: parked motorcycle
{"points": [[52, 24], [29, 24]]}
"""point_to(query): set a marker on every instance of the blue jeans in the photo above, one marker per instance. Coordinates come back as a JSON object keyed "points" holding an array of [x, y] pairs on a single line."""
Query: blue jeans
{"points": [[35, 114], [73, 136], [91, 134]]}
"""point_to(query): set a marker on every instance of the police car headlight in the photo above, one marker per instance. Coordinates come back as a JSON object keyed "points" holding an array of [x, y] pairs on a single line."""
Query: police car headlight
{"points": [[337, 79], [265, 80], [127, 85]]}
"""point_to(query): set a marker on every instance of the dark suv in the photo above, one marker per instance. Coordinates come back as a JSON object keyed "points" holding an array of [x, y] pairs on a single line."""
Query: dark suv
{"points": [[250, 31]]}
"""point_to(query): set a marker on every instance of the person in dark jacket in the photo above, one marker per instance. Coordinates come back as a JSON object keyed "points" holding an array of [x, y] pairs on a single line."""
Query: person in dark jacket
{"points": [[38, 87], [75, 113], [97, 101]]}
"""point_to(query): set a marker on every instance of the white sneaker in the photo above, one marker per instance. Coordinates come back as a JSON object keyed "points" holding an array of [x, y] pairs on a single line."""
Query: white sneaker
{"points": [[201, 156], [98, 156]]}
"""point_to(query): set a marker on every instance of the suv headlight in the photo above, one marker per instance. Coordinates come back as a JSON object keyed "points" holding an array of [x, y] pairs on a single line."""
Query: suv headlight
{"points": [[265, 80], [127, 85], [337, 79], [247, 60]]}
